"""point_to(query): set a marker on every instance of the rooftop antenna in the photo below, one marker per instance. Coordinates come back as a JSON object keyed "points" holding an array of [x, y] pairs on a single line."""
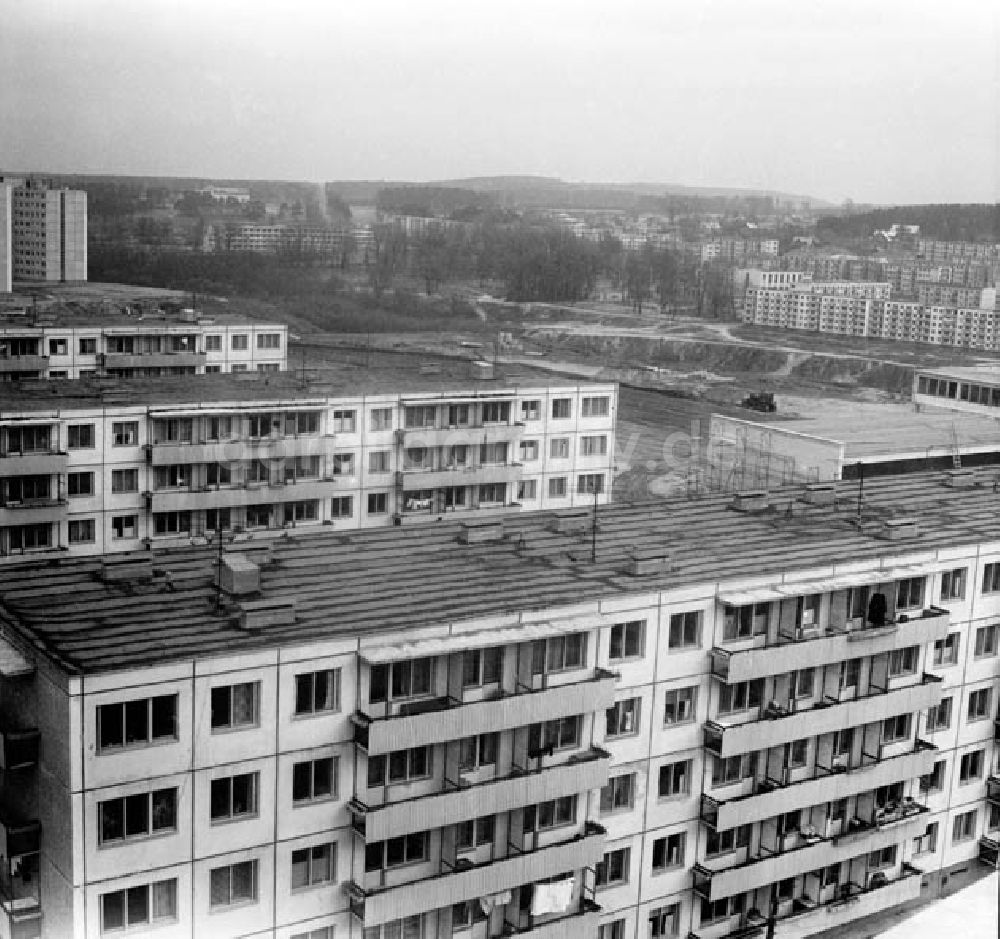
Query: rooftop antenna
{"points": [[861, 487]]}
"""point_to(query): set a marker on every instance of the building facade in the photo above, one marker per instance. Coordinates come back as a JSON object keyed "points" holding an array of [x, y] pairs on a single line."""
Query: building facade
{"points": [[124, 348], [661, 741], [116, 475]]}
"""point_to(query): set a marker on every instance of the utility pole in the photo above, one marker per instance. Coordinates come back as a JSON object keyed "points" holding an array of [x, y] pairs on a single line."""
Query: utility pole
{"points": [[593, 530]]}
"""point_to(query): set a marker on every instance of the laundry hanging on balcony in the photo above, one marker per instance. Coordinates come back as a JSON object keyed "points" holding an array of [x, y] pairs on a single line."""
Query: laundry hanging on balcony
{"points": [[552, 897], [495, 899]]}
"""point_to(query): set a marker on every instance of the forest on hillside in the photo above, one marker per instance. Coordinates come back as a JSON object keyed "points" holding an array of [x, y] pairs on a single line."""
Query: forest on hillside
{"points": [[973, 222]]}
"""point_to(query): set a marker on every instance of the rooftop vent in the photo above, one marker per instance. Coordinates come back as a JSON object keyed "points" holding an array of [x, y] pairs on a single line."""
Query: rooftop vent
{"points": [[960, 479], [480, 531], [754, 500], [258, 614], [577, 520], [643, 563], [897, 529], [820, 493], [126, 568], [238, 575], [260, 552]]}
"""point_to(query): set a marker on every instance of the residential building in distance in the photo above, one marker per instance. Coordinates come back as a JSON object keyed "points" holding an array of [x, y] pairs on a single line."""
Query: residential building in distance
{"points": [[706, 719], [95, 466], [43, 232], [240, 194], [50, 347], [974, 389]]}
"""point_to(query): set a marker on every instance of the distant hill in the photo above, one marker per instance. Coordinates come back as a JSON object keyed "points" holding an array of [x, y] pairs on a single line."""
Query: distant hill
{"points": [[947, 222]]}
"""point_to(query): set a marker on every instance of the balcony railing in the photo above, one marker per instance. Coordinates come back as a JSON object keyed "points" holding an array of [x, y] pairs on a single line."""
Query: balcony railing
{"points": [[19, 749], [582, 922], [32, 462]]}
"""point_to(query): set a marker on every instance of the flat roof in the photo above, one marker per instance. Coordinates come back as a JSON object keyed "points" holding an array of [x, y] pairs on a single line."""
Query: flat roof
{"points": [[873, 431], [396, 579], [984, 373], [342, 380]]}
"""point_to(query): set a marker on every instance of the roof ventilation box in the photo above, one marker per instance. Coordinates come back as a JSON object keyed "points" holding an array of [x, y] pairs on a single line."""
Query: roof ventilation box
{"points": [[569, 522], [643, 563], [960, 479], [258, 614], [754, 500], [126, 568], [820, 493], [896, 529], [238, 575], [478, 532], [257, 551]]}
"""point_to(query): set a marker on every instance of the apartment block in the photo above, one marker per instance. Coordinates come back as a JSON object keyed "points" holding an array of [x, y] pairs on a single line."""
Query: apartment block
{"points": [[45, 237], [700, 719], [973, 390], [118, 467], [143, 347]]}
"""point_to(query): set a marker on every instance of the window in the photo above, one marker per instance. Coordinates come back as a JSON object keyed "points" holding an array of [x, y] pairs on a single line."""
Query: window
{"points": [[124, 526], [675, 779], [343, 422], [613, 930], [740, 696], [939, 716], [680, 705], [595, 407], [613, 868], [399, 766], [808, 610], [727, 841], [883, 857], [81, 436], [590, 483], [217, 519], [557, 487], [927, 842], [458, 415], [559, 448], [408, 679], [88, 346], [685, 630], [237, 367], [910, 593], [136, 816], [420, 416], [305, 511], [125, 433], [57, 347], [315, 865], [313, 780], [378, 503], [234, 797], [492, 493], [343, 464], [627, 640], [729, 770], [798, 753], [664, 921], [240, 342], [394, 852], [137, 906], [135, 723], [477, 751], [125, 480], [560, 734], [622, 718], [527, 490], [342, 507], [979, 704], [268, 340], [903, 661], [235, 706], [380, 418], [971, 766], [594, 446], [668, 852], [475, 832], [493, 453], [559, 653], [213, 343], [953, 584], [618, 794], [82, 531], [411, 927], [987, 639], [946, 650], [991, 577], [562, 408], [896, 728], [531, 410], [463, 914], [234, 883], [803, 682], [745, 622], [528, 451], [378, 462], [317, 692], [482, 667], [496, 412], [964, 827]]}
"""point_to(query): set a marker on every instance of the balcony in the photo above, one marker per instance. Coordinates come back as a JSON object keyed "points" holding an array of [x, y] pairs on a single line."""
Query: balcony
{"points": [[456, 436], [581, 923], [118, 360], [21, 907], [210, 497], [827, 717], [774, 797], [169, 453], [33, 463], [460, 475], [993, 788], [383, 905], [34, 512], [818, 647], [586, 772], [23, 363], [439, 719], [856, 903], [18, 749], [989, 851], [811, 853]]}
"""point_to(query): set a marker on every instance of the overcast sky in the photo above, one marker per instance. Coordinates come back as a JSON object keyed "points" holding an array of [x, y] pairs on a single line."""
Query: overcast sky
{"points": [[876, 100]]}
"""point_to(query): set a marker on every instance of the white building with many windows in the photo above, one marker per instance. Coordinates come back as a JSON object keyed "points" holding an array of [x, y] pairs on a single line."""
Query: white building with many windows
{"points": [[700, 719]]}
